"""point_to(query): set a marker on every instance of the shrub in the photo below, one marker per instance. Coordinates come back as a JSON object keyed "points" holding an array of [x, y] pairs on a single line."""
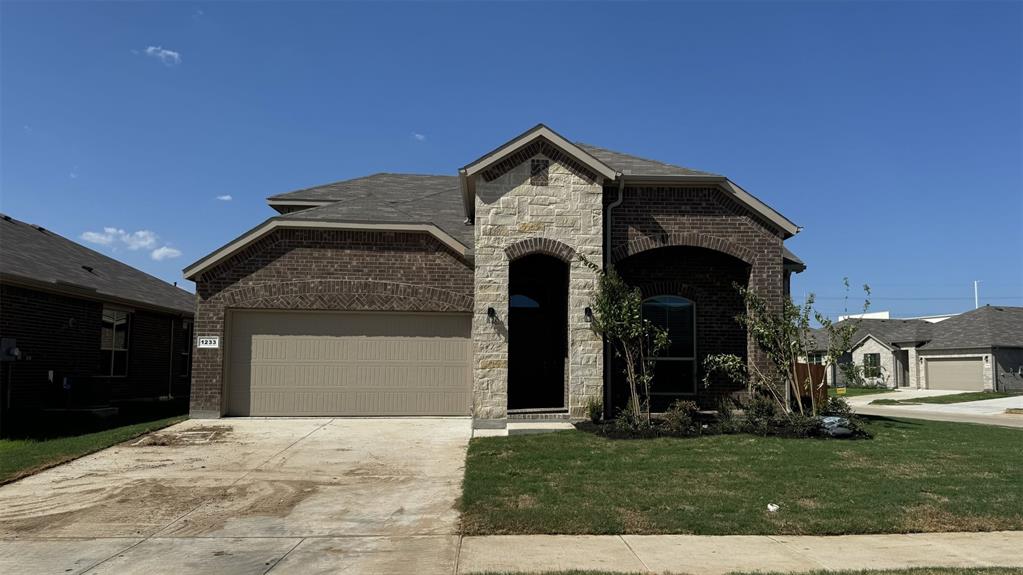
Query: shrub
{"points": [[632, 423], [680, 418], [727, 421], [799, 425], [595, 409], [839, 407], [762, 415]]}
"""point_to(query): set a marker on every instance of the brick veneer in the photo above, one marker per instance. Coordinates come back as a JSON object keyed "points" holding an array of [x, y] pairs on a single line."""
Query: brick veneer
{"points": [[323, 270], [703, 217]]}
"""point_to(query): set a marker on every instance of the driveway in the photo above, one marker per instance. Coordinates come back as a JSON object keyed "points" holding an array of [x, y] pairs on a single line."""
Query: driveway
{"points": [[988, 411], [247, 496]]}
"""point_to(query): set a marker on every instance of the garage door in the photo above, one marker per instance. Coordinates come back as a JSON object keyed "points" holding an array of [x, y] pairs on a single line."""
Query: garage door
{"points": [[325, 363], [965, 374]]}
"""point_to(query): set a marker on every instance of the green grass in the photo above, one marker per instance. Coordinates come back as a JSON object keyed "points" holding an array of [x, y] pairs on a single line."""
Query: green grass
{"points": [[945, 399], [858, 391], [914, 476], [914, 571], [21, 457]]}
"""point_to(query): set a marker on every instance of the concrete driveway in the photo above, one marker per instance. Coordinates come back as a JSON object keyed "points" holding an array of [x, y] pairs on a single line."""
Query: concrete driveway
{"points": [[988, 411], [247, 496]]}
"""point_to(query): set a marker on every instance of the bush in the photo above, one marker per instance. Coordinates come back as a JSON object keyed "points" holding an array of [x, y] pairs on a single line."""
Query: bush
{"points": [[727, 421], [838, 407], [680, 418], [799, 425], [762, 415], [595, 409], [630, 423]]}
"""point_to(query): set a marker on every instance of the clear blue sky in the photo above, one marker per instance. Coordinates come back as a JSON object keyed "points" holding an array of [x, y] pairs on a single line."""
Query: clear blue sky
{"points": [[893, 133]]}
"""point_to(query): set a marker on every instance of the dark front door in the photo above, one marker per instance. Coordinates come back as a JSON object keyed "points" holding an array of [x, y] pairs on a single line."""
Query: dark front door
{"points": [[537, 332]]}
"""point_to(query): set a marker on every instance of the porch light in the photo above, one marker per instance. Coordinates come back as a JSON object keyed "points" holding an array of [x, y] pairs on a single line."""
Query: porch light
{"points": [[588, 313], [491, 315]]}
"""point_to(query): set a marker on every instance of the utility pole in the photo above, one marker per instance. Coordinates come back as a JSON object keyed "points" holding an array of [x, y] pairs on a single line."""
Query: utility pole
{"points": [[976, 294]]}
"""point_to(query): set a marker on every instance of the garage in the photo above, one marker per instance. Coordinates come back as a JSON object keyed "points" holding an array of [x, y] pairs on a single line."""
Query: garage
{"points": [[287, 363], [956, 373]]}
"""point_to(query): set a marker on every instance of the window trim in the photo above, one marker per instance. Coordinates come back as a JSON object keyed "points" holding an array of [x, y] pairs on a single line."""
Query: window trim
{"points": [[128, 319], [692, 305]]}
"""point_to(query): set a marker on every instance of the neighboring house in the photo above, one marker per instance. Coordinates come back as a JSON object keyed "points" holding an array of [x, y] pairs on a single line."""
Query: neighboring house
{"points": [[978, 350], [89, 330], [401, 294]]}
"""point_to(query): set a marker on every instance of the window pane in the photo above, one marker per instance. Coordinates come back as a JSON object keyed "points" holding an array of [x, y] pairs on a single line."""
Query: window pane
{"points": [[674, 315], [106, 359], [121, 334], [120, 363], [519, 300], [672, 377], [107, 337]]}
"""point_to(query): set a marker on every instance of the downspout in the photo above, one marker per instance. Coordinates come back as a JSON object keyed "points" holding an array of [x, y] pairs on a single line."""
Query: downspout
{"points": [[607, 263]]}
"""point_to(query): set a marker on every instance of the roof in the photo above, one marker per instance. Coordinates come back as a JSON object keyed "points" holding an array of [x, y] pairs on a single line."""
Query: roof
{"points": [[381, 186], [888, 331], [988, 326], [43, 258], [538, 131], [635, 166]]}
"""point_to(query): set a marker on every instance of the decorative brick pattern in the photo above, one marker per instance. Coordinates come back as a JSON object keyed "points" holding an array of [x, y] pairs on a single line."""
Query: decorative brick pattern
{"points": [[514, 218], [546, 151], [546, 246], [538, 172], [338, 270]]}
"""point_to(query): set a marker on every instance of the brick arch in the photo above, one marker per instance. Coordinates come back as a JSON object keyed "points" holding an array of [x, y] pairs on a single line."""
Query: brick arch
{"points": [[545, 246], [691, 239], [347, 295]]}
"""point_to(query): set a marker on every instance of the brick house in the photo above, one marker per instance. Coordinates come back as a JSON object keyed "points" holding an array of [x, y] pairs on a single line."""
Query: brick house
{"points": [[90, 332], [399, 294]]}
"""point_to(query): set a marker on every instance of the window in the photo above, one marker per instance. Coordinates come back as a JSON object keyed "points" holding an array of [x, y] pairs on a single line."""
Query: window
{"points": [[675, 369], [816, 358], [114, 343], [538, 170], [185, 355], [872, 365], [523, 301]]}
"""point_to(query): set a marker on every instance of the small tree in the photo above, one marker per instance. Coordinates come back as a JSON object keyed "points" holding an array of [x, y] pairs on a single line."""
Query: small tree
{"points": [[618, 316], [786, 339]]}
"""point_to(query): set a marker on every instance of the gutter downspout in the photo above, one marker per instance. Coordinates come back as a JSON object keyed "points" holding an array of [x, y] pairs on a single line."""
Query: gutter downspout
{"points": [[607, 263]]}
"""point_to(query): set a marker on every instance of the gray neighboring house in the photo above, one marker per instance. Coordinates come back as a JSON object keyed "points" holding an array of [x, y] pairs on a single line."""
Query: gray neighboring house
{"points": [[979, 350], [89, 331]]}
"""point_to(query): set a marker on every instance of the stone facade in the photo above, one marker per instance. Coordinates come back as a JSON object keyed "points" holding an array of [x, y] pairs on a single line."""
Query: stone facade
{"points": [[514, 217], [888, 376], [309, 269]]}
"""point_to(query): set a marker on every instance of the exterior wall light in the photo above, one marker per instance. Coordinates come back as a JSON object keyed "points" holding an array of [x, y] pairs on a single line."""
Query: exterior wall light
{"points": [[491, 315], [588, 314]]}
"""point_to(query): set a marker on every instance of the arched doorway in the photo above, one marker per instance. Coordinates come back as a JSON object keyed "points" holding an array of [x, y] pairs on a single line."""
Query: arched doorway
{"points": [[537, 332]]}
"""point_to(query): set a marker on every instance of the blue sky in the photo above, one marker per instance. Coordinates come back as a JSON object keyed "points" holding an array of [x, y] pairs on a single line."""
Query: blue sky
{"points": [[892, 132]]}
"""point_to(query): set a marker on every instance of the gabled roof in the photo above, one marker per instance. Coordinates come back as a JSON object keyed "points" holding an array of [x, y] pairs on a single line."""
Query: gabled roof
{"points": [[382, 186], [37, 257], [889, 332], [635, 166], [543, 132], [988, 326]]}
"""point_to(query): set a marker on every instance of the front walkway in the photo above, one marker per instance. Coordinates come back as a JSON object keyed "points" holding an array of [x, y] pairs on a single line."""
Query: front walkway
{"points": [[987, 412], [710, 555]]}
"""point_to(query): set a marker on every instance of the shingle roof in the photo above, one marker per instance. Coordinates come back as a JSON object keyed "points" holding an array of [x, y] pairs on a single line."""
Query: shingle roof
{"points": [[887, 331], [636, 166], [988, 326], [39, 255], [382, 186]]}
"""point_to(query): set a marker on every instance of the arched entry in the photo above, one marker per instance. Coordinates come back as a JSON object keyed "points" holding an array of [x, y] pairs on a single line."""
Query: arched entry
{"points": [[537, 332]]}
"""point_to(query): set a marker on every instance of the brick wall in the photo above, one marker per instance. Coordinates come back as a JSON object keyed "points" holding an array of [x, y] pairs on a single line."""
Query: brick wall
{"points": [[62, 333], [304, 269]]}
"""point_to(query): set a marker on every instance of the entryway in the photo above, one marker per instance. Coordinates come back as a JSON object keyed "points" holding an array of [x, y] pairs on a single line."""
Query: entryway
{"points": [[537, 333]]}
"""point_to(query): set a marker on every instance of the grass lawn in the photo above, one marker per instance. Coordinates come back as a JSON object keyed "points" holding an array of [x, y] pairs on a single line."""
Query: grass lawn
{"points": [[914, 476], [944, 399], [21, 457], [915, 571], [858, 391]]}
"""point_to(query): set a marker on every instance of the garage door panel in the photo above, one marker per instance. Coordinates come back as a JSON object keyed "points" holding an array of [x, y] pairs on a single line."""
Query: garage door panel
{"points": [[308, 363], [966, 374]]}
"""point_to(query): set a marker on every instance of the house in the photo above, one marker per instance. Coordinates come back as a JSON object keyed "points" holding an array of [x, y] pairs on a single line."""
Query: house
{"points": [[979, 350], [81, 330], [402, 294]]}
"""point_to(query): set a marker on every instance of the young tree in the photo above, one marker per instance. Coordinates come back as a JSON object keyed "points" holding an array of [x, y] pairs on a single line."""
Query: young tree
{"points": [[786, 339], [618, 316]]}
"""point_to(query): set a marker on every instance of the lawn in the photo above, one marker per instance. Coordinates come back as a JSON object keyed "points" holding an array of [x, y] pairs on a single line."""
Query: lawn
{"points": [[945, 399], [21, 457], [858, 391], [914, 476], [914, 571]]}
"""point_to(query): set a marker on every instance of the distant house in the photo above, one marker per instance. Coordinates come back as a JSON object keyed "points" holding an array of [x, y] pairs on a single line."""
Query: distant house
{"points": [[979, 350], [81, 330]]}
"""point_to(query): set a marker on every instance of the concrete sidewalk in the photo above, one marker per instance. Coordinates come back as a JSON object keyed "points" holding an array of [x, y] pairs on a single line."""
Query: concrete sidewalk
{"points": [[712, 555], [985, 412]]}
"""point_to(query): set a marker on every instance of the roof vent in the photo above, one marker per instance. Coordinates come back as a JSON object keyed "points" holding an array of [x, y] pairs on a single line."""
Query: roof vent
{"points": [[5, 217], [38, 227], [88, 269]]}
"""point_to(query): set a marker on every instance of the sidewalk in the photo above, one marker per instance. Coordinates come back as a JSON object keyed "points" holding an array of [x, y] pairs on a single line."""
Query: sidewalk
{"points": [[713, 555], [986, 412]]}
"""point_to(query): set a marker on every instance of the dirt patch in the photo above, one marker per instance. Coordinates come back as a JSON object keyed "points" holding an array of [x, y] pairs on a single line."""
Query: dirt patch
{"points": [[932, 518], [633, 521], [200, 435], [247, 500]]}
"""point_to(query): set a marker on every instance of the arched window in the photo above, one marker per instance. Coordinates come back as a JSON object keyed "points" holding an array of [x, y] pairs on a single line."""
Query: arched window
{"points": [[675, 369], [522, 301]]}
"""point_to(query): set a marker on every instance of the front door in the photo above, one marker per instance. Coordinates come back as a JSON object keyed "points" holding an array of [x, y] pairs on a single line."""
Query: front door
{"points": [[537, 332]]}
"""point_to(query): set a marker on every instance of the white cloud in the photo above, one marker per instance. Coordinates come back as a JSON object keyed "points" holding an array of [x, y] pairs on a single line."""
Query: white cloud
{"points": [[419, 137], [225, 198], [141, 239], [168, 57], [164, 253]]}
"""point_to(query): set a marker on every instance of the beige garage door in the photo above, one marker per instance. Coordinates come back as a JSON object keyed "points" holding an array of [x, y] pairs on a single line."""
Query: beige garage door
{"points": [[966, 374], [326, 363]]}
